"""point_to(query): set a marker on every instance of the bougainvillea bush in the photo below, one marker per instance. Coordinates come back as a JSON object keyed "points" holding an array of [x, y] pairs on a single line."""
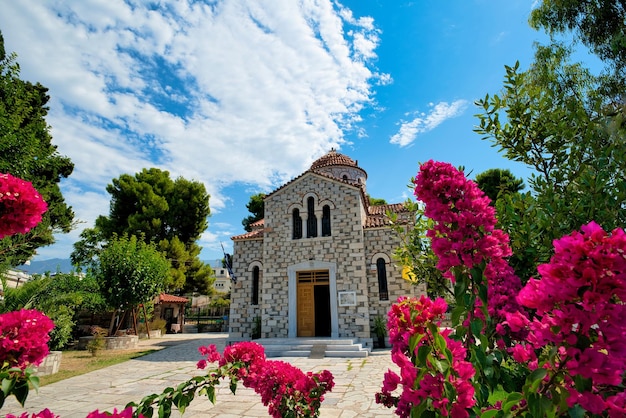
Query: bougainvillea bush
{"points": [[21, 206], [554, 347]]}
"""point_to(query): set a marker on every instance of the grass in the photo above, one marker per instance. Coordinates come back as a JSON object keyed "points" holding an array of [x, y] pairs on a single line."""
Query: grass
{"points": [[77, 362]]}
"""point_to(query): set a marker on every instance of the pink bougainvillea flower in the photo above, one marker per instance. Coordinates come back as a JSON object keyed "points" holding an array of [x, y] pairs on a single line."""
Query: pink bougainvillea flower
{"points": [[579, 303], [24, 338], [464, 234], [21, 206], [46, 413], [126, 413]]}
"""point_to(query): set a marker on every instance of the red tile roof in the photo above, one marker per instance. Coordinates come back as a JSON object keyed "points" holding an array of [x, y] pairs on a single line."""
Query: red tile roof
{"points": [[256, 234], [333, 158], [377, 216], [165, 298]]}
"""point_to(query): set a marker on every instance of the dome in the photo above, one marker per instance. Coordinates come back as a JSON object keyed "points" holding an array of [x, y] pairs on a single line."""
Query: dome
{"points": [[333, 158]]}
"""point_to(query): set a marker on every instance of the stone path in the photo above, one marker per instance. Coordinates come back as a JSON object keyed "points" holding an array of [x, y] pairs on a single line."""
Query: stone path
{"points": [[356, 381]]}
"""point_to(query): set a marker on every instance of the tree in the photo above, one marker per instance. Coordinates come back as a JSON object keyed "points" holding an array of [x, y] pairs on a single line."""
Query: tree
{"points": [[375, 201], [256, 206], [497, 182], [150, 203], [598, 24], [557, 118], [172, 214], [131, 272], [26, 151]]}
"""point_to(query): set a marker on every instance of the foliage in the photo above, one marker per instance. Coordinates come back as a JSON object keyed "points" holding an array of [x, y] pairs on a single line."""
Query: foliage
{"points": [[599, 24], [496, 183], [256, 328], [23, 344], [375, 201], [172, 214], [26, 151], [98, 342], [415, 253], [555, 118], [565, 360], [130, 272], [60, 297], [380, 326], [256, 206], [284, 389]]}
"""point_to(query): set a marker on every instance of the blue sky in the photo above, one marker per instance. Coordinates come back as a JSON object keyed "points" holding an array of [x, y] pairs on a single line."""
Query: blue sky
{"points": [[244, 95]]}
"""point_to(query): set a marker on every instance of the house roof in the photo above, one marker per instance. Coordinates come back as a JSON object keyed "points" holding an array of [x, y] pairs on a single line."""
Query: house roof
{"points": [[165, 298]]}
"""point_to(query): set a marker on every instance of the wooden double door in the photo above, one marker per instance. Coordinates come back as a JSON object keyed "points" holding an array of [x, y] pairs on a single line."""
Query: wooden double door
{"points": [[313, 313]]}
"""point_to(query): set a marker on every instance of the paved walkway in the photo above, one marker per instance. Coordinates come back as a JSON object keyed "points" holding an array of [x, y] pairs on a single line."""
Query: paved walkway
{"points": [[356, 381]]}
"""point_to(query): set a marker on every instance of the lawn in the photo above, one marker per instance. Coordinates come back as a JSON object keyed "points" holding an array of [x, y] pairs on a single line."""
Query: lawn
{"points": [[77, 362]]}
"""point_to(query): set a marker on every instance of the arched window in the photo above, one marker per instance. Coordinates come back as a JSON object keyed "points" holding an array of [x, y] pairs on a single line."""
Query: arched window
{"points": [[383, 293], [311, 222], [255, 286], [326, 221], [297, 224]]}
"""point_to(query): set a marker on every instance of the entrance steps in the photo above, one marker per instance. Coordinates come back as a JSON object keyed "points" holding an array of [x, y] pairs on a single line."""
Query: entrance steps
{"points": [[313, 347]]}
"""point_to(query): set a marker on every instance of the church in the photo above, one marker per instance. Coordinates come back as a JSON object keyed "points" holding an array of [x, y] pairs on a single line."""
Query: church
{"points": [[320, 264]]}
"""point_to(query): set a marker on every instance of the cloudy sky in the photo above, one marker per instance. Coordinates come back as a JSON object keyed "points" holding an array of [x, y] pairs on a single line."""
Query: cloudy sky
{"points": [[244, 94]]}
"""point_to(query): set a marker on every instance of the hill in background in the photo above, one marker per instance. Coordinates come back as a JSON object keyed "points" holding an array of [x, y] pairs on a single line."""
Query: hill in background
{"points": [[54, 265]]}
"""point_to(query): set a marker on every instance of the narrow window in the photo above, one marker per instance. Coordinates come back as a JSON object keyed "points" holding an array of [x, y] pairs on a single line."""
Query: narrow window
{"points": [[326, 221], [255, 286], [297, 224], [383, 293], [311, 222]]}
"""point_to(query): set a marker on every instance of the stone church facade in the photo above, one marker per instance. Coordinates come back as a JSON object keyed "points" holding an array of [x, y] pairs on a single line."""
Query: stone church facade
{"points": [[320, 263]]}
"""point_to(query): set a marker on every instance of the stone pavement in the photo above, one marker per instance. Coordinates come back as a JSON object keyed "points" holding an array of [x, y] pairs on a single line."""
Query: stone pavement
{"points": [[356, 381]]}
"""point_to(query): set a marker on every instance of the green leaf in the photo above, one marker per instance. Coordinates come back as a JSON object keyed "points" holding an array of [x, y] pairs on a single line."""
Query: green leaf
{"points": [[34, 381], [422, 353], [513, 399], [7, 386], [21, 392], [210, 393], [576, 412], [490, 413]]}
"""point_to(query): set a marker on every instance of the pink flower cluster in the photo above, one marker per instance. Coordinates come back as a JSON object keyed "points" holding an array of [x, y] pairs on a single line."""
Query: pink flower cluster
{"points": [[410, 321], [579, 302], [21, 206], [464, 234], [24, 338], [46, 413], [125, 413], [283, 387]]}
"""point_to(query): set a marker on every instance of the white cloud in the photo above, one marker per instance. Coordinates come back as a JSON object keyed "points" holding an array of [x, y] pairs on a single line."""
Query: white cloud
{"points": [[238, 91], [425, 122]]}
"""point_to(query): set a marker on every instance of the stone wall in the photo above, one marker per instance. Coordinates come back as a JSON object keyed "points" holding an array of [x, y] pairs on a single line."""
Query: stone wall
{"points": [[345, 248], [247, 253], [381, 243], [50, 364]]}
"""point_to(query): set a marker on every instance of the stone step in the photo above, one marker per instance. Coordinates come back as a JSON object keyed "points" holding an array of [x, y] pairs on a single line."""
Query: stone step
{"points": [[308, 347]]}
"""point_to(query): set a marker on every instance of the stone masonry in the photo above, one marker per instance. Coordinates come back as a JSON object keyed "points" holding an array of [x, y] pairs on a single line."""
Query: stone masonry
{"points": [[359, 237]]}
